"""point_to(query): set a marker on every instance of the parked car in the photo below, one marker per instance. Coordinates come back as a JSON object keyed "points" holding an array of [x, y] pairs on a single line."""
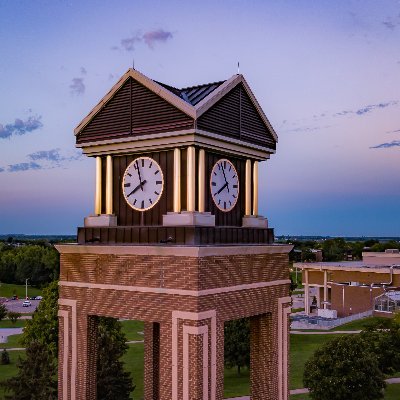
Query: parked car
{"points": [[33, 298], [15, 297], [39, 297], [26, 303]]}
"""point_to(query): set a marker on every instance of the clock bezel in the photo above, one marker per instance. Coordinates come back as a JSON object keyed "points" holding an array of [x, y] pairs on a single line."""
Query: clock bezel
{"points": [[238, 188], [162, 185]]}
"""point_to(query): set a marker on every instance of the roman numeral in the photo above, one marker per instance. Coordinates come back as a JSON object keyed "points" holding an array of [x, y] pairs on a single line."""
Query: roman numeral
{"points": [[158, 182], [224, 205], [142, 162], [155, 173], [127, 185], [219, 201], [150, 201], [151, 164], [230, 203], [235, 186], [224, 164], [219, 167], [234, 176], [230, 167], [142, 206], [234, 196], [135, 202], [215, 173], [129, 174], [213, 183], [156, 193]]}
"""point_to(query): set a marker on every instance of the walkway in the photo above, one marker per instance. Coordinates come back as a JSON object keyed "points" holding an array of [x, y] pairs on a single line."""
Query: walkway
{"points": [[6, 332]]}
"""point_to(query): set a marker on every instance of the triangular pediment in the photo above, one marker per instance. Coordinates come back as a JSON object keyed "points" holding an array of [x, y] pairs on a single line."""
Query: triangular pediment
{"points": [[136, 104]]}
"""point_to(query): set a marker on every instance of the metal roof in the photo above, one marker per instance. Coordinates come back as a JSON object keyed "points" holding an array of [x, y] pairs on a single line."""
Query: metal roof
{"points": [[393, 295], [193, 94]]}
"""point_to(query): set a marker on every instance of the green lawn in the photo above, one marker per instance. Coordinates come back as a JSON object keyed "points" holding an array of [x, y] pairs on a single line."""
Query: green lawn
{"points": [[392, 392], [8, 290], [12, 342], [7, 371], [358, 324], [132, 329], [6, 323], [134, 360], [236, 385], [302, 347]]}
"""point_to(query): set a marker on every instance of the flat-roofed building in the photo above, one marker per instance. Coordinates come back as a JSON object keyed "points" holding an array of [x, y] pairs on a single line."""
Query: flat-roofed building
{"points": [[350, 287]]}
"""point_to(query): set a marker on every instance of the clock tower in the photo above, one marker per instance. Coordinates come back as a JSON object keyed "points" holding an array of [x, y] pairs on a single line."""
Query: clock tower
{"points": [[176, 240]]}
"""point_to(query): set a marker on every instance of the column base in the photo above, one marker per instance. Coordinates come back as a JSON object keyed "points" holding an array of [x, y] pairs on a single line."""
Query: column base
{"points": [[189, 218], [254, 221], [102, 220]]}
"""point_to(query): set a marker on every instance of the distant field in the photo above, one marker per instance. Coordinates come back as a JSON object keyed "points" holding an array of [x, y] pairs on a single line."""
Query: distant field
{"points": [[6, 323], [8, 290]]}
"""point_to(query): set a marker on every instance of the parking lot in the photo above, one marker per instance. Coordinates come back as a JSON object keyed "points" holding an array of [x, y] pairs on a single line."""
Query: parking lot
{"points": [[16, 306]]}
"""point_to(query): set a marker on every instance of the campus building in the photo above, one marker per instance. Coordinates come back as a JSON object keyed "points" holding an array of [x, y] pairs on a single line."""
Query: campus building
{"points": [[350, 287]]}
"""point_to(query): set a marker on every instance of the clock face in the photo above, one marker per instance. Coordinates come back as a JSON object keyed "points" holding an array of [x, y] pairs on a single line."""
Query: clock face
{"points": [[143, 183], [224, 184]]}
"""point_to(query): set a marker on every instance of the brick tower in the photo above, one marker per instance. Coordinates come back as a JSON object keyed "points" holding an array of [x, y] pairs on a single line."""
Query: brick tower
{"points": [[176, 240]]}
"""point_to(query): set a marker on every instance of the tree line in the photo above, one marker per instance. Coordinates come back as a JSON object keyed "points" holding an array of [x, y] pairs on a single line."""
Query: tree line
{"points": [[39, 262]]}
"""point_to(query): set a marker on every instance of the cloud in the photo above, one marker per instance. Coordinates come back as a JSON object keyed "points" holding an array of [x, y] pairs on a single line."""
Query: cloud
{"points": [[77, 86], [24, 166], [83, 71], [129, 43], [153, 37], [150, 38], [394, 143], [366, 109], [48, 155], [395, 131], [20, 127], [392, 23], [44, 159]]}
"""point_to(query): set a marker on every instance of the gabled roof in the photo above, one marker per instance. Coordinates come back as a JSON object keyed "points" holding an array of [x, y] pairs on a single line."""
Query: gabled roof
{"points": [[193, 101]]}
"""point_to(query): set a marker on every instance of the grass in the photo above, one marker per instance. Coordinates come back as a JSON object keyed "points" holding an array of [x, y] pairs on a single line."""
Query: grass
{"points": [[236, 385], [7, 371], [19, 323], [359, 324], [134, 362], [131, 329], [8, 290], [12, 342], [295, 310], [302, 347]]}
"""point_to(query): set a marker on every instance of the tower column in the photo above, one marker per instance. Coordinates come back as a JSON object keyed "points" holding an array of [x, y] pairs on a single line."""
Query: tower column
{"points": [[177, 180], [306, 293], [191, 180], [247, 208], [325, 289], [255, 188], [201, 180], [109, 186], [97, 202]]}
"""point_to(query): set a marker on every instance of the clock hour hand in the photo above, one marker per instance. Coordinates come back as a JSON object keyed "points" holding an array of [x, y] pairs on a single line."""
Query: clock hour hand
{"points": [[223, 187], [226, 182], [140, 186]]}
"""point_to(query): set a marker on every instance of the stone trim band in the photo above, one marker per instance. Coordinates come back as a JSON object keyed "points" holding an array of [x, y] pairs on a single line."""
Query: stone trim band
{"points": [[283, 313], [182, 292]]}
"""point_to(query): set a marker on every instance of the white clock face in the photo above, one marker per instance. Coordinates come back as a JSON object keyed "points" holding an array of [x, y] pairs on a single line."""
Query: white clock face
{"points": [[224, 184], [143, 183]]}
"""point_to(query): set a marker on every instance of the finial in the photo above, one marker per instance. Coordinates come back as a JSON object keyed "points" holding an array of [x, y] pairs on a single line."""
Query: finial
{"points": [[238, 68]]}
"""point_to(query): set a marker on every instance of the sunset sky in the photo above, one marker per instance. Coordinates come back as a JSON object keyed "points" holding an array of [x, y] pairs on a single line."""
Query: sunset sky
{"points": [[327, 74]]}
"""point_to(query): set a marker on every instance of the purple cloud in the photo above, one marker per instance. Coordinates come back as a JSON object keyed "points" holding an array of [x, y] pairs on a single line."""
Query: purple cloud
{"points": [[24, 167], [83, 71], [47, 155], [20, 127], [77, 86], [395, 131], [129, 43], [1, 169], [392, 23], [394, 143], [153, 37], [366, 109], [150, 38]]}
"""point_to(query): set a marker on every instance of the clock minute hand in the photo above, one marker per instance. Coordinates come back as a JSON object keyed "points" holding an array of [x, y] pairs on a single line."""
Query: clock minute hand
{"points": [[140, 178], [223, 187], [140, 186]]}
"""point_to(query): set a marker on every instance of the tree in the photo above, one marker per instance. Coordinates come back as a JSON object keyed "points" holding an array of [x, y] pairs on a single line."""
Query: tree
{"points": [[344, 368], [13, 316], [5, 357], [35, 379], [237, 344], [43, 327], [111, 377], [3, 311], [112, 381]]}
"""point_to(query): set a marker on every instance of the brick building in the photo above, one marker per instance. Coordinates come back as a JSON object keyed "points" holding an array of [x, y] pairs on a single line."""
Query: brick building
{"points": [[350, 287], [176, 240]]}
